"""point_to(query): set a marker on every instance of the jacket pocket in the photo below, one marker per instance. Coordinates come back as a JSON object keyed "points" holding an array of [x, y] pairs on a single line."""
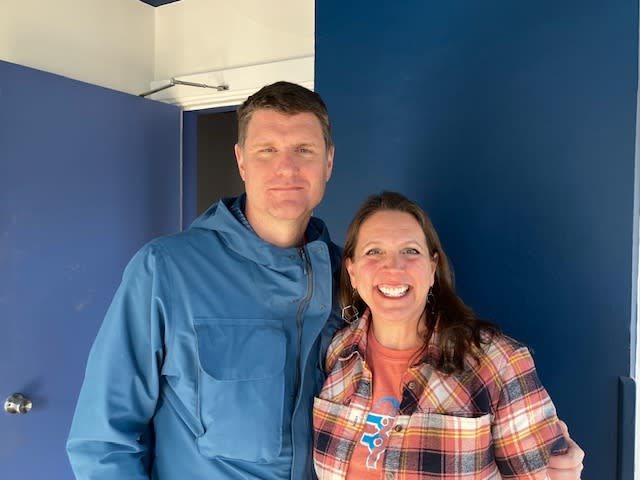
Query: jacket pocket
{"points": [[241, 388]]}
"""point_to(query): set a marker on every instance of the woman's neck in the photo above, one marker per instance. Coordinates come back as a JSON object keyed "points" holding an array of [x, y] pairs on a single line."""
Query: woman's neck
{"points": [[398, 335]]}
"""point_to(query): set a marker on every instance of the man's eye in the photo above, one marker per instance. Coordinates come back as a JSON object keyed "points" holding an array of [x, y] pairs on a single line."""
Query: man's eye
{"points": [[304, 150]]}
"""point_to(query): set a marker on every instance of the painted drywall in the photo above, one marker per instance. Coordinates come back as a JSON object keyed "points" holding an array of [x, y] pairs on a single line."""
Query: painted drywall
{"points": [[127, 45], [110, 43], [194, 36], [514, 125]]}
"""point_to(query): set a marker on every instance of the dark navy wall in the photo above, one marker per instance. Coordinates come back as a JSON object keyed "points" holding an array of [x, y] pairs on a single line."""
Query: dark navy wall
{"points": [[513, 124]]}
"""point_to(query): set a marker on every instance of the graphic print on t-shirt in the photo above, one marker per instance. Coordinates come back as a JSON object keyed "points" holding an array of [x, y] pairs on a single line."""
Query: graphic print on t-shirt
{"points": [[378, 427]]}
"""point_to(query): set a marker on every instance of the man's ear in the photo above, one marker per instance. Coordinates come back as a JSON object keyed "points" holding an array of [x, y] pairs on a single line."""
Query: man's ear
{"points": [[239, 160], [330, 154]]}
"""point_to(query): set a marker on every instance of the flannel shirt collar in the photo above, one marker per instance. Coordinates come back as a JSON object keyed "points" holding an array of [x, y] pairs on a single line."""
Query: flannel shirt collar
{"points": [[355, 342]]}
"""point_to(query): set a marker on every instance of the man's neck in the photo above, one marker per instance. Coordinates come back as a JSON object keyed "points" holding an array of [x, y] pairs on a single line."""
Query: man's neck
{"points": [[281, 233]]}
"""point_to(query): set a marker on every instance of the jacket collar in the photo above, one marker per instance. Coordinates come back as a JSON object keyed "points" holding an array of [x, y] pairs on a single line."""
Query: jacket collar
{"points": [[227, 218]]}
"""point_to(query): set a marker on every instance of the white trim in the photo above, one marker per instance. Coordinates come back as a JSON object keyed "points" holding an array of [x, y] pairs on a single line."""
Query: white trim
{"points": [[242, 82], [181, 176], [635, 299]]}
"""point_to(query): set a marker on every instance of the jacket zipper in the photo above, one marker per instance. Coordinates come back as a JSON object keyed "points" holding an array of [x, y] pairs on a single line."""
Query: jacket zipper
{"points": [[308, 272]]}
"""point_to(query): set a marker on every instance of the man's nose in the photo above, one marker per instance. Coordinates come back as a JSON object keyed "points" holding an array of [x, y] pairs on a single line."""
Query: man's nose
{"points": [[287, 162]]}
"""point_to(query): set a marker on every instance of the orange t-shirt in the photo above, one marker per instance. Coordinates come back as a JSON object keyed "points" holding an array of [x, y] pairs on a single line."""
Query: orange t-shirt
{"points": [[387, 367]]}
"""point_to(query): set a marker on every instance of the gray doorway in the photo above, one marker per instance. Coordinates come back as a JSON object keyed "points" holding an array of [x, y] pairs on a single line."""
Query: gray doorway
{"points": [[217, 172]]}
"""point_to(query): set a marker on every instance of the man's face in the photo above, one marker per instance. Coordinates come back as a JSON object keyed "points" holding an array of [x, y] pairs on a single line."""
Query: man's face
{"points": [[285, 166]]}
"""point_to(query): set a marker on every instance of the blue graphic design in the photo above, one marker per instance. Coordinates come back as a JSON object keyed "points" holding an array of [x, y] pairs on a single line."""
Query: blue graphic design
{"points": [[381, 423]]}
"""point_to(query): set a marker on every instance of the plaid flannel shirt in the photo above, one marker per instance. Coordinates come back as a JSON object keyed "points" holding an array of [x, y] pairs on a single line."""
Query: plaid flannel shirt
{"points": [[495, 420]]}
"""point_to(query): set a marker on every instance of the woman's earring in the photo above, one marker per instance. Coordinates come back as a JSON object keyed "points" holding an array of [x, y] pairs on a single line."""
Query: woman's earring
{"points": [[350, 313], [431, 301]]}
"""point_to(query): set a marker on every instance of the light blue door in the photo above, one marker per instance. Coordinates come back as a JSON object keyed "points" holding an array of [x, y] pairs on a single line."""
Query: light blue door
{"points": [[87, 175]]}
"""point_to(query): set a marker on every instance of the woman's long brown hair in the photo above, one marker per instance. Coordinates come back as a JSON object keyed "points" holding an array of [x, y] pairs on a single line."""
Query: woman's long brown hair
{"points": [[460, 333]]}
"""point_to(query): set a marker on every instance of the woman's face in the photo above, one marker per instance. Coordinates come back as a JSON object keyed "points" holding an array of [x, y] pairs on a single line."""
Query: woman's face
{"points": [[392, 268]]}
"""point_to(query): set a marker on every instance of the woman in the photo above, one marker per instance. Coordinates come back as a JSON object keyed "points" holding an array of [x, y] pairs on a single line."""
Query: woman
{"points": [[417, 386]]}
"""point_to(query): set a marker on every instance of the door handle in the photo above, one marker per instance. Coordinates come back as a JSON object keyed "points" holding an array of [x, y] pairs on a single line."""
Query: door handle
{"points": [[17, 403]]}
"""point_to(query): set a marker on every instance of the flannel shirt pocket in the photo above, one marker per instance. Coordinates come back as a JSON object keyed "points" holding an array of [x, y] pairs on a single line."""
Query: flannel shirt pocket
{"points": [[431, 445]]}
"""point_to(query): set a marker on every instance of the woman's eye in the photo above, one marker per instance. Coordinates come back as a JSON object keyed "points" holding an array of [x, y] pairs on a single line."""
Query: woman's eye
{"points": [[372, 251], [411, 251]]}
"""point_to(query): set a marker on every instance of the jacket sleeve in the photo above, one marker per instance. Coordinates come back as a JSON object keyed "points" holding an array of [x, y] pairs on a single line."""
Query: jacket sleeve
{"points": [[121, 385], [526, 430]]}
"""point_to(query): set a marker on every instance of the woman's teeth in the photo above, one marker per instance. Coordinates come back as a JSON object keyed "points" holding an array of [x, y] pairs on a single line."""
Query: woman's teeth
{"points": [[393, 291]]}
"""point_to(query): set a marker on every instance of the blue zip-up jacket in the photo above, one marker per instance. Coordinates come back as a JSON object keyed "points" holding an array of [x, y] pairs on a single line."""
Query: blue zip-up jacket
{"points": [[209, 357]]}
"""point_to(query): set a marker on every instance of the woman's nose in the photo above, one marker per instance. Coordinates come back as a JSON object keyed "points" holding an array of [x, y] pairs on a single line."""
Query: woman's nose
{"points": [[394, 262]]}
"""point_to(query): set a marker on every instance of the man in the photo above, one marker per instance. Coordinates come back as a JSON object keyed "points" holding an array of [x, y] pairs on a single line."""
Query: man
{"points": [[211, 352]]}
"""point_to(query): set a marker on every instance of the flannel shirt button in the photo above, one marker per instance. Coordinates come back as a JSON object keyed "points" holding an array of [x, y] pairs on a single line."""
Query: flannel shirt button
{"points": [[411, 385], [397, 428], [390, 476]]}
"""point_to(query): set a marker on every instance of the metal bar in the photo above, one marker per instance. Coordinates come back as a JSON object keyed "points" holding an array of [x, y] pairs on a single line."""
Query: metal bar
{"points": [[201, 85], [174, 81]]}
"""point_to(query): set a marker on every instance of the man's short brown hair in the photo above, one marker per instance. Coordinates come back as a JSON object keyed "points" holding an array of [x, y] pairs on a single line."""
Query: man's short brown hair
{"points": [[287, 98]]}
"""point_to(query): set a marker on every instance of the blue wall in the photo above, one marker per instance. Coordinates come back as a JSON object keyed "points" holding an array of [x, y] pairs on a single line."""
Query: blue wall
{"points": [[513, 124], [87, 176]]}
